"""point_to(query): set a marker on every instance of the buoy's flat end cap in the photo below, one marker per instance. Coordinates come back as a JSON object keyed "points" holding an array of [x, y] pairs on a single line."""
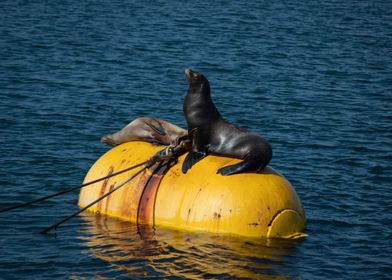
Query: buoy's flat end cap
{"points": [[287, 224]]}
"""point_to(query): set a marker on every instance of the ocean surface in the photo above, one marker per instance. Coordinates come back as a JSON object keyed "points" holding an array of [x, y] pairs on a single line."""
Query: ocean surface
{"points": [[313, 77]]}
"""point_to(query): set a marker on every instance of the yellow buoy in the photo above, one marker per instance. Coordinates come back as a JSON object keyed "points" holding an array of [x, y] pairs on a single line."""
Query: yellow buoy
{"points": [[250, 204]]}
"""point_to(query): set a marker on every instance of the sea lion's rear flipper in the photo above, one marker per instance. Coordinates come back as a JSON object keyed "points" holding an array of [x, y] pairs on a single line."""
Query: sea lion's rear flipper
{"points": [[191, 159], [243, 166], [232, 169], [108, 140]]}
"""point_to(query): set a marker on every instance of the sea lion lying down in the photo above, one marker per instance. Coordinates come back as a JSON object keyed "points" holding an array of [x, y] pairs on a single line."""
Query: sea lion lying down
{"points": [[151, 130]]}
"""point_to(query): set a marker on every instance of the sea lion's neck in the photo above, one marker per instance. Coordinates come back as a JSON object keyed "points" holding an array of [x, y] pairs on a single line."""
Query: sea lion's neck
{"points": [[199, 109]]}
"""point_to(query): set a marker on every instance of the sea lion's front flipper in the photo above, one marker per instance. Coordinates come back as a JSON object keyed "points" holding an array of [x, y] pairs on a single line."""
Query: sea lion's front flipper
{"points": [[191, 159], [156, 126]]}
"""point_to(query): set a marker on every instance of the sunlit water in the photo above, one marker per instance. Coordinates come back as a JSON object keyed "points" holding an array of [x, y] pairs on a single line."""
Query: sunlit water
{"points": [[312, 78]]}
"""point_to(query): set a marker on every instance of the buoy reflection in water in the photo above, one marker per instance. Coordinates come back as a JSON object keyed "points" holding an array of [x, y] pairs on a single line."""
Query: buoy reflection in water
{"points": [[141, 251]]}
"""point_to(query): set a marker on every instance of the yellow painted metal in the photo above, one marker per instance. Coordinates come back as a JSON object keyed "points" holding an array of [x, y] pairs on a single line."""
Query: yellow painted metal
{"points": [[250, 204]]}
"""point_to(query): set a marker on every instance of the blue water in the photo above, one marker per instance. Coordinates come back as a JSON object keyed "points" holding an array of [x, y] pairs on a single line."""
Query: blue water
{"points": [[315, 79]]}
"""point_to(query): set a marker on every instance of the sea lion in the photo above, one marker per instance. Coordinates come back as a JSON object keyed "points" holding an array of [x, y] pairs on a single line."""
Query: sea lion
{"points": [[211, 134], [151, 130]]}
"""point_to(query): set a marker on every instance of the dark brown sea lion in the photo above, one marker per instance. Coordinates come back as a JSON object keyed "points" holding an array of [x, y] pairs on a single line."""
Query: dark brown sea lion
{"points": [[211, 134], [147, 129]]}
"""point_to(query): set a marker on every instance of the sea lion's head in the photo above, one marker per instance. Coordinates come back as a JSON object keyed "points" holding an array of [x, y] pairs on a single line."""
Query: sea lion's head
{"points": [[196, 80]]}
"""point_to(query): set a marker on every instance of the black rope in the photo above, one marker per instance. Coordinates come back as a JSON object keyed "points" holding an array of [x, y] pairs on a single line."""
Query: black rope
{"points": [[167, 155], [54, 226], [71, 189]]}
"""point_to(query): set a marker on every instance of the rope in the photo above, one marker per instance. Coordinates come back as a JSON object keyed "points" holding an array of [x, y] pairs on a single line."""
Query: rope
{"points": [[73, 188], [54, 226]]}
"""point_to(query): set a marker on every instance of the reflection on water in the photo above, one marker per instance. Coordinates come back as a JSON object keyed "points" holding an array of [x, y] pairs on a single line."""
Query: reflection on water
{"points": [[141, 251]]}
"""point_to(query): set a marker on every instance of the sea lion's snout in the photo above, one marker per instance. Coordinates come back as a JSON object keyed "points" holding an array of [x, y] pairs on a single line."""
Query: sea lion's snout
{"points": [[191, 76], [188, 74]]}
